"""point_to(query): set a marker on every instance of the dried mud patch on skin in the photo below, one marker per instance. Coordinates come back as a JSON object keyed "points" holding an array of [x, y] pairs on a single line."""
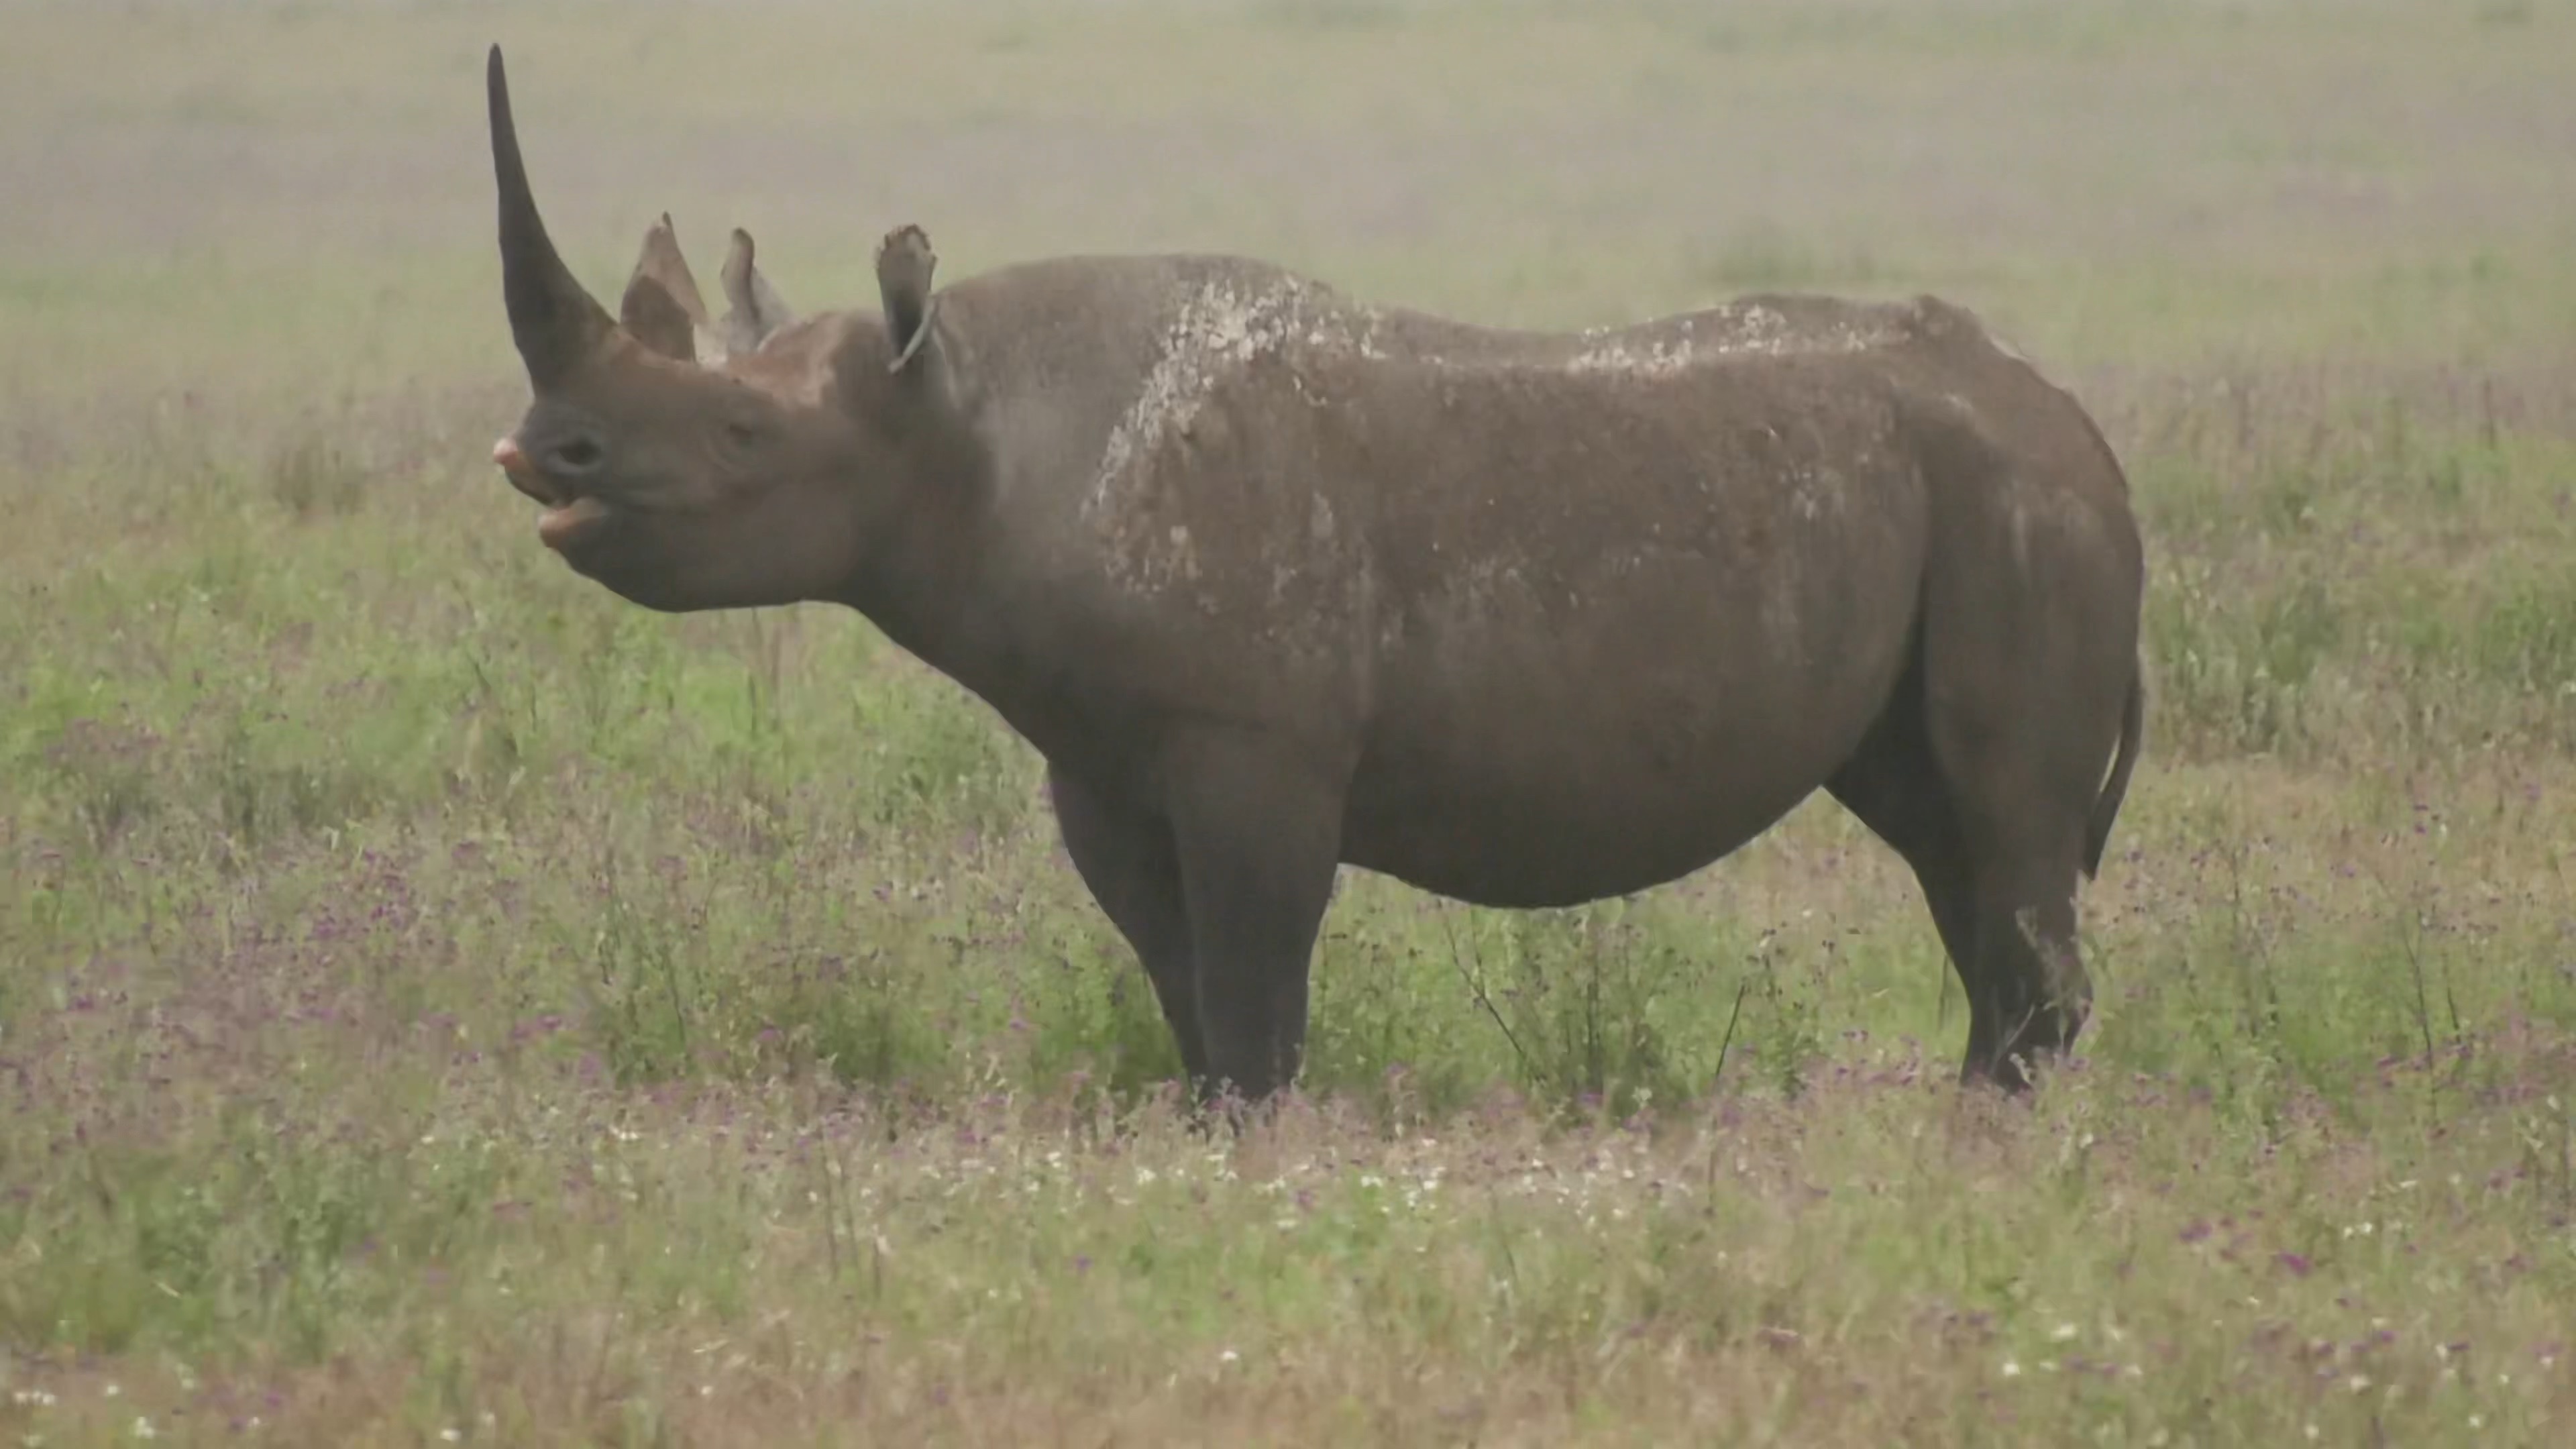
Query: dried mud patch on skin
{"points": [[1736, 329], [1222, 327]]}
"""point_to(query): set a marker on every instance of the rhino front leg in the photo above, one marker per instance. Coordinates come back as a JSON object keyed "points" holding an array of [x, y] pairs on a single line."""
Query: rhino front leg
{"points": [[1259, 834], [1125, 857]]}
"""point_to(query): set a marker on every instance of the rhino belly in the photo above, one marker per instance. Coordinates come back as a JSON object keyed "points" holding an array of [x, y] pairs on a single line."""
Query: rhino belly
{"points": [[1507, 772]]}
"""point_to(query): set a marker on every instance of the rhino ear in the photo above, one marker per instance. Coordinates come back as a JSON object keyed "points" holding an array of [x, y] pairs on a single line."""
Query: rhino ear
{"points": [[662, 307], [652, 316], [755, 308], [660, 259], [904, 266]]}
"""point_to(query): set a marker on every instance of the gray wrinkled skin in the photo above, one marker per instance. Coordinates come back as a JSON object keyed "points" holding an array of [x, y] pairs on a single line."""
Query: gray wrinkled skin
{"points": [[1277, 581]]}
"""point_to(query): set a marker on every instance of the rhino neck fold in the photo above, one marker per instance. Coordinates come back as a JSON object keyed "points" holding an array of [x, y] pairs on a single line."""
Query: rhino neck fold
{"points": [[923, 580]]}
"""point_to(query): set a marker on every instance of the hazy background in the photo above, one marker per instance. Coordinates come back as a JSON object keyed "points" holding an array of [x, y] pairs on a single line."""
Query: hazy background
{"points": [[440, 1002], [2114, 182]]}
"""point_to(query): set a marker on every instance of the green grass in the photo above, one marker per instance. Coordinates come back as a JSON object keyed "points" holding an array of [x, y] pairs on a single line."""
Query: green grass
{"points": [[441, 1003]]}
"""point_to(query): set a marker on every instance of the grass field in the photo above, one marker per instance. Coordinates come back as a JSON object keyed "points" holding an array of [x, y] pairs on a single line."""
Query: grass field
{"points": [[442, 1003]]}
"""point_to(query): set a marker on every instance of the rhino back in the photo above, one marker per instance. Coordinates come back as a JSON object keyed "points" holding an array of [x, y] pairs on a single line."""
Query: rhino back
{"points": [[1513, 575], [1213, 424]]}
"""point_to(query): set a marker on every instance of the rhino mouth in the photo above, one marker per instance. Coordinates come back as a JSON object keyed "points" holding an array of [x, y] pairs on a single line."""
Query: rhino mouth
{"points": [[558, 528], [568, 515]]}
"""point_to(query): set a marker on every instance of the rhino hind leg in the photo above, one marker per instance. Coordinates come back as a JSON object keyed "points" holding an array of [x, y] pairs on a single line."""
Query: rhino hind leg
{"points": [[2027, 672], [2002, 899], [1126, 858], [2038, 993]]}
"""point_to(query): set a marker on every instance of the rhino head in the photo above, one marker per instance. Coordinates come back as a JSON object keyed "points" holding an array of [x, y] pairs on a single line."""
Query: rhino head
{"points": [[689, 465]]}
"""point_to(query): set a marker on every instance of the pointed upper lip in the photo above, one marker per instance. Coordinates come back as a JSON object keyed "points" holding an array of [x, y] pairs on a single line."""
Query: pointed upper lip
{"points": [[523, 475]]}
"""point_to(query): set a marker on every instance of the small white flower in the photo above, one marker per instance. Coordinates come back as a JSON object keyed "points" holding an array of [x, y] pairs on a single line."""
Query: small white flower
{"points": [[1229, 1356], [450, 1435], [2012, 1370], [2062, 1333], [143, 1428]]}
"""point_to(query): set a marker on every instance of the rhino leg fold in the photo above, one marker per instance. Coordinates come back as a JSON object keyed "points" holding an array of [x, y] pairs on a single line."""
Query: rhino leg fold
{"points": [[1895, 788], [1125, 856], [1259, 837]]}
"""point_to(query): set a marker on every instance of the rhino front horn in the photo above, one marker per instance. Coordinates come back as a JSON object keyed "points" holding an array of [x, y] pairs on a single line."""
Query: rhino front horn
{"points": [[552, 319]]}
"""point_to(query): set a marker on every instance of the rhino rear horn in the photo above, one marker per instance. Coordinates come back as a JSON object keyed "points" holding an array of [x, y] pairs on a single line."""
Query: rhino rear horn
{"points": [[552, 319]]}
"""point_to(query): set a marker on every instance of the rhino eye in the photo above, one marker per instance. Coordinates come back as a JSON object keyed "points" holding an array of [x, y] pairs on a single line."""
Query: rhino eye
{"points": [[741, 435]]}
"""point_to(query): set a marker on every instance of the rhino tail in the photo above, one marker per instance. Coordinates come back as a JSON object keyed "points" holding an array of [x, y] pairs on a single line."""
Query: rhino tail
{"points": [[2097, 831]]}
